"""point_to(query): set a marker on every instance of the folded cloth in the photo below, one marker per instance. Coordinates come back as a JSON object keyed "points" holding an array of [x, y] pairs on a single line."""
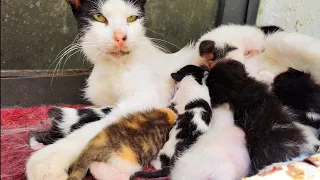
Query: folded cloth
{"points": [[307, 169]]}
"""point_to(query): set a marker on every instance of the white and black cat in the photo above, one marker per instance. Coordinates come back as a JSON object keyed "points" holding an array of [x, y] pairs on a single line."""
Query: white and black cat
{"points": [[130, 74], [194, 118], [273, 133]]}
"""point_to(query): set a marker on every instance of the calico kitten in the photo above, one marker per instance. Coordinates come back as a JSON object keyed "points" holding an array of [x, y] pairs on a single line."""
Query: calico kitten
{"points": [[133, 141], [64, 122], [299, 91], [273, 134], [192, 102], [219, 154]]}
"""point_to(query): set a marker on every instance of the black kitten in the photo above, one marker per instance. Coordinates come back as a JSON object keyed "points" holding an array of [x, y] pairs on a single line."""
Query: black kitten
{"points": [[273, 134]]}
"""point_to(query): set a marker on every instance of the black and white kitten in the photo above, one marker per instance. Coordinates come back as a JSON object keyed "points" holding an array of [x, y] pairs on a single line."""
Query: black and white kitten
{"points": [[299, 91], [273, 133], [192, 103], [64, 122]]}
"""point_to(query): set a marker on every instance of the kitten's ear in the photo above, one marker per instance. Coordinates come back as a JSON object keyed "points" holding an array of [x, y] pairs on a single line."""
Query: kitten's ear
{"points": [[74, 3], [177, 77], [206, 49]]}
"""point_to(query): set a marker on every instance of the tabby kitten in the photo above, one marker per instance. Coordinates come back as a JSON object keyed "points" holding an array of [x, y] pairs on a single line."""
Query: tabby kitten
{"points": [[131, 143]]}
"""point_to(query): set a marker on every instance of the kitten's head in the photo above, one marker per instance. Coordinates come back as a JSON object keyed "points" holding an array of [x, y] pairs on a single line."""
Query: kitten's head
{"points": [[210, 52], [109, 29], [194, 73]]}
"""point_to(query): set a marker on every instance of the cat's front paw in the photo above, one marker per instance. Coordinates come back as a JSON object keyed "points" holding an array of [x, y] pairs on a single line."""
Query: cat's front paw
{"points": [[46, 165]]}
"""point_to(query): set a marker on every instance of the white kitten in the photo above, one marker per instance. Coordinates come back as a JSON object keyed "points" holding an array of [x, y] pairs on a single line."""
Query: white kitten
{"points": [[219, 154]]}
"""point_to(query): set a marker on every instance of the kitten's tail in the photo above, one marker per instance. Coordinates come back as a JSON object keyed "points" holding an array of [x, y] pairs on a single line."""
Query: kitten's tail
{"points": [[165, 172], [295, 50]]}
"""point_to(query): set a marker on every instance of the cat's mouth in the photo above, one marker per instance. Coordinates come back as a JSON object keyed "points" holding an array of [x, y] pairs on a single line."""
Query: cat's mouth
{"points": [[119, 53]]}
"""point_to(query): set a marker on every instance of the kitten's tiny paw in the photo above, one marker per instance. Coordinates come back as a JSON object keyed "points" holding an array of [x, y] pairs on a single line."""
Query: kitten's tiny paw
{"points": [[33, 143], [156, 164]]}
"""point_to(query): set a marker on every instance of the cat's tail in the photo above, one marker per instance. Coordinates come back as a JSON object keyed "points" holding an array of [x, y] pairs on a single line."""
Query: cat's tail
{"points": [[164, 172], [295, 50]]}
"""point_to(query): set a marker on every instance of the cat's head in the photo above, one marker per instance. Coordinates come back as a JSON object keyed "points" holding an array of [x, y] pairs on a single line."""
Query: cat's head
{"points": [[109, 29], [194, 73]]}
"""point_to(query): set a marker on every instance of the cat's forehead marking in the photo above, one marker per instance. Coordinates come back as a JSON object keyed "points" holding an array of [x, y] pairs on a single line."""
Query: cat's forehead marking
{"points": [[119, 8]]}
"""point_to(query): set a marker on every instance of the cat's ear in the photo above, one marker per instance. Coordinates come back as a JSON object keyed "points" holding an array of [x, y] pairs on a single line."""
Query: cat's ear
{"points": [[140, 2], [177, 77], [74, 3], [206, 49]]}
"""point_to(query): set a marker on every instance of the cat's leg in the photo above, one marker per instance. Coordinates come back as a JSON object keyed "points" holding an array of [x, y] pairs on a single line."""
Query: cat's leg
{"points": [[54, 160], [65, 121]]}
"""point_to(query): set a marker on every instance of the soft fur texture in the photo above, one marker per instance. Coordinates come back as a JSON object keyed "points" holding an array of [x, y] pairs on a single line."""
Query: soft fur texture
{"points": [[133, 141], [230, 42], [133, 81], [273, 134], [220, 153], [64, 122], [241, 43], [192, 103], [301, 94], [295, 50]]}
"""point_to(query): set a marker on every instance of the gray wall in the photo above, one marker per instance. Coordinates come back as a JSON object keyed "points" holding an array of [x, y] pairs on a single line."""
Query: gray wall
{"points": [[34, 31]]}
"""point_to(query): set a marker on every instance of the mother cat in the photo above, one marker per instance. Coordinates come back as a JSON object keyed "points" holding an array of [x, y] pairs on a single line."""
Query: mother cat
{"points": [[129, 70]]}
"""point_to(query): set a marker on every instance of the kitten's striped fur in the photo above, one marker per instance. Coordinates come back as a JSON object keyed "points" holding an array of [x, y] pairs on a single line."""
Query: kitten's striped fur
{"points": [[136, 139]]}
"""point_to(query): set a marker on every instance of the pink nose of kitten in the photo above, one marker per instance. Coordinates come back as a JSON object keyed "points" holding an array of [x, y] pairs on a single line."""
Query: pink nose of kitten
{"points": [[120, 37]]}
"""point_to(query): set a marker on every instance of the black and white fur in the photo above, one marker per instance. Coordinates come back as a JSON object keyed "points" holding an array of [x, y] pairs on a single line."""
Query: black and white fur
{"points": [[299, 91], [64, 122], [273, 133], [192, 102], [219, 154]]}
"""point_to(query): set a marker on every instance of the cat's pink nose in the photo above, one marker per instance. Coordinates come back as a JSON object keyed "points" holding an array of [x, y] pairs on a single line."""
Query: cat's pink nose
{"points": [[119, 37]]}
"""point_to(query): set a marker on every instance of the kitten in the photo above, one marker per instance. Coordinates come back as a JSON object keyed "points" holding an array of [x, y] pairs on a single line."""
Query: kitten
{"points": [[299, 91], [192, 102], [243, 43], [132, 141], [220, 153], [232, 42], [272, 133], [64, 122]]}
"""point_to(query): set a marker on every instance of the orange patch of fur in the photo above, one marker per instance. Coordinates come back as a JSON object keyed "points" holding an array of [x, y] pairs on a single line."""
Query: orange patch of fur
{"points": [[128, 154], [172, 116]]}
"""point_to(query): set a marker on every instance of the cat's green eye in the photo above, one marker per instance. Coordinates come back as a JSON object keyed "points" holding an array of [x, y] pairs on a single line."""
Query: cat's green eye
{"points": [[132, 18], [100, 18]]}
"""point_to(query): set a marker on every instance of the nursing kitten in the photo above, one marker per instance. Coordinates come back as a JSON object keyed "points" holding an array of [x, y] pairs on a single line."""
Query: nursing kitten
{"points": [[299, 91], [64, 122], [192, 102], [273, 133], [127, 145], [219, 154], [232, 42]]}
